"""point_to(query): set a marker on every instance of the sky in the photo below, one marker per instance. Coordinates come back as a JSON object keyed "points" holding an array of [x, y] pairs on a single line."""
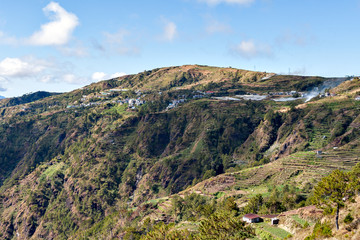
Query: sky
{"points": [[62, 45]]}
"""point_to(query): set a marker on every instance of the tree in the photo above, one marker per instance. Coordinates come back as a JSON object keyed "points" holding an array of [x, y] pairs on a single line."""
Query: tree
{"points": [[223, 225], [333, 190], [254, 204]]}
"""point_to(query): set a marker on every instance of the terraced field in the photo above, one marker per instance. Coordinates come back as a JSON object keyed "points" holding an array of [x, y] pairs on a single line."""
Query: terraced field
{"points": [[298, 169]]}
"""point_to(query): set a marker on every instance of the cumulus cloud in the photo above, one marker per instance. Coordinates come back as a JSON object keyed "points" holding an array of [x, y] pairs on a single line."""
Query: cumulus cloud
{"points": [[170, 31], [249, 49], [98, 76], [47, 71], [64, 77], [216, 2], [117, 74], [16, 67], [59, 30], [73, 79]]}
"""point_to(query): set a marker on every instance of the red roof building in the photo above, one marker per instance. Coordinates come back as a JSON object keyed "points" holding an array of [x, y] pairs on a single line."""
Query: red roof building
{"points": [[252, 218]]}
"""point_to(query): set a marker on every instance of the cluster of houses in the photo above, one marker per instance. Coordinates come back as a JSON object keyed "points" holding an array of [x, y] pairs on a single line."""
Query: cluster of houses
{"points": [[197, 94], [201, 94], [82, 105], [175, 103], [254, 218], [132, 102]]}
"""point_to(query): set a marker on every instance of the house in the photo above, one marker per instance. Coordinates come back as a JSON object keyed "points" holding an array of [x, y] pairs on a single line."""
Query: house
{"points": [[252, 218], [274, 221], [273, 218]]}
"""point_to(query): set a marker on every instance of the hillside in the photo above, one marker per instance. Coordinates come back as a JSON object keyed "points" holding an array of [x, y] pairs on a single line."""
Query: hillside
{"points": [[99, 160], [26, 98]]}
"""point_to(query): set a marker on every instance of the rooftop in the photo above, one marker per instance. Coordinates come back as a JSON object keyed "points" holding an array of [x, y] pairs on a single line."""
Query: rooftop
{"points": [[251, 216]]}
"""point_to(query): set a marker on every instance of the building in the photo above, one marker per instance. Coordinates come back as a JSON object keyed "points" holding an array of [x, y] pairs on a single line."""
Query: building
{"points": [[252, 218], [273, 218]]}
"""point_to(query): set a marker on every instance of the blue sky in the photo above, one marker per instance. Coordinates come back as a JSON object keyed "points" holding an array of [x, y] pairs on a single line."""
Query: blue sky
{"points": [[63, 45]]}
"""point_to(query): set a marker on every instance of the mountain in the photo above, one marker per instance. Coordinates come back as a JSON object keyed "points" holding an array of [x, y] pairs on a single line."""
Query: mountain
{"points": [[2, 97], [26, 98], [100, 160]]}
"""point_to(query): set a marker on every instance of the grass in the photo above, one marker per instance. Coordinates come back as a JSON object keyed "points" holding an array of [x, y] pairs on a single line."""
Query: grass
{"points": [[219, 195], [191, 226], [118, 109], [300, 220], [50, 171], [157, 200], [275, 231]]}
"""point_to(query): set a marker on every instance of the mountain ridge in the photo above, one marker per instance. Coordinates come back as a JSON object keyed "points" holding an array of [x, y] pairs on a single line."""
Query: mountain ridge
{"points": [[73, 160]]}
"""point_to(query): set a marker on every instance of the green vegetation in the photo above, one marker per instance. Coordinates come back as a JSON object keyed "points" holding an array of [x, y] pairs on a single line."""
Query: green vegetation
{"points": [[88, 164], [348, 219], [301, 221], [26, 98], [277, 201], [321, 230], [333, 190], [276, 232]]}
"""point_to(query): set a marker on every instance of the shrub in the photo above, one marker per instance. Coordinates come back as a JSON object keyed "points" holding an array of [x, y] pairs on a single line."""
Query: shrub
{"points": [[349, 218], [321, 230]]}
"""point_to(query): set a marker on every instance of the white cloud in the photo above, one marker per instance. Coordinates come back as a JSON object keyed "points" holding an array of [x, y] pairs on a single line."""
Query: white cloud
{"points": [[67, 77], [46, 71], [217, 27], [169, 31], [216, 2], [98, 76], [16, 67], [249, 49], [58, 31], [73, 79], [117, 74]]}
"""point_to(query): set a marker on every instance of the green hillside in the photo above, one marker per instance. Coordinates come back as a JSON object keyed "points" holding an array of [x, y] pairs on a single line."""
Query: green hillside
{"points": [[171, 150]]}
